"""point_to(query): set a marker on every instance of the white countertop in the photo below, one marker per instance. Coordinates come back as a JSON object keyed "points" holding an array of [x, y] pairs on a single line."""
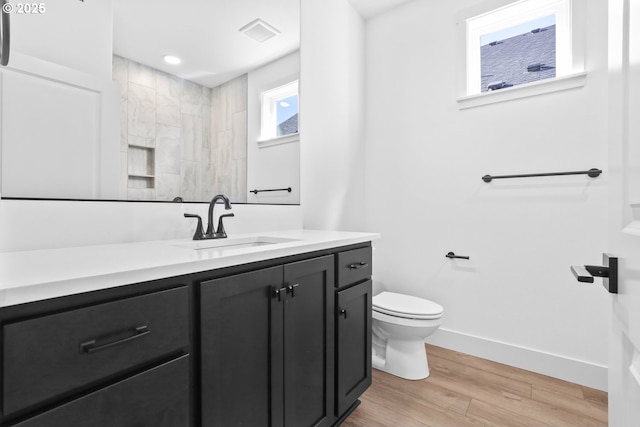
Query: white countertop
{"points": [[37, 275]]}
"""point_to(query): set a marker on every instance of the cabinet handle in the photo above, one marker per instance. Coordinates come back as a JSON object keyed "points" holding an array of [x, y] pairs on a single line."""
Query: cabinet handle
{"points": [[358, 265], [89, 347], [278, 293], [291, 289], [343, 312]]}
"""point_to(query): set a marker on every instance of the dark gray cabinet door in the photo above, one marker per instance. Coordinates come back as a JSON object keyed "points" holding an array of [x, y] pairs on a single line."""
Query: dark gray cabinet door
{"points": [[241, 330], [309, 342], [354, 344], [268, 347]]}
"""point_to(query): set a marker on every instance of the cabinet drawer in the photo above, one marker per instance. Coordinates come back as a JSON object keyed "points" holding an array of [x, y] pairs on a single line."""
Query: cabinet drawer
{"points": [[56, 354], [155, 398], [354, 266]]}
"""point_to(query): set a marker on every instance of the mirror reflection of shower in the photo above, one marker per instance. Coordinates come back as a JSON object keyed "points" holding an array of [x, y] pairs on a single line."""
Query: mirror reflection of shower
{"points": [[182, 119]]}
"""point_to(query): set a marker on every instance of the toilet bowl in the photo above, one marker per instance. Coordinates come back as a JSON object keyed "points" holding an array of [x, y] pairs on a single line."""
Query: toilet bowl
{"points": [[400, 325]]}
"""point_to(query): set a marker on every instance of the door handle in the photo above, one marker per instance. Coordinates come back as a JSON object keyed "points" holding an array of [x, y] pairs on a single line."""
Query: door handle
{"points": [[278, 293], [582, 274], [292, 289], [608, 272]]}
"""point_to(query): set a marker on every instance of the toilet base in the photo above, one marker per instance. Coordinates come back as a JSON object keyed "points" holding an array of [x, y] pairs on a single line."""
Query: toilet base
{"points": [[403, 358]]}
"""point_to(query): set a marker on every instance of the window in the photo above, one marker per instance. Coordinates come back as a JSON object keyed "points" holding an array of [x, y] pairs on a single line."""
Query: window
{"points": [[279, 111], [512, 43], [518, 54]]}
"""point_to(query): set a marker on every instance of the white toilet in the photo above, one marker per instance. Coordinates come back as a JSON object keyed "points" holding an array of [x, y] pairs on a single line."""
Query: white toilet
{"points": [[400, 325]]}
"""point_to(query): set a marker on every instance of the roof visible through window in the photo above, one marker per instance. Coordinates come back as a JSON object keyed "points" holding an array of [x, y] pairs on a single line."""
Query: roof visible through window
{"points": [[520, 54]]}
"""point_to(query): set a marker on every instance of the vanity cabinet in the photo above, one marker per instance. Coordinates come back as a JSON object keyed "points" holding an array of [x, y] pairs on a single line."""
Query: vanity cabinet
{"points": [[353, 327], [282, 342], [267, 346]]}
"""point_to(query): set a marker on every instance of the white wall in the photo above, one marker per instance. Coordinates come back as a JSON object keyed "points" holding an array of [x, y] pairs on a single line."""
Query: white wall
{"points": [[37, 224], [271, 165], [516, 300], [331, 116], [72, 33]]}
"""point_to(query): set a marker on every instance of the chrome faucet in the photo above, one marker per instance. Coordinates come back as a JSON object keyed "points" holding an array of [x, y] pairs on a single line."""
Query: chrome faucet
{"points": [[211, 233]]}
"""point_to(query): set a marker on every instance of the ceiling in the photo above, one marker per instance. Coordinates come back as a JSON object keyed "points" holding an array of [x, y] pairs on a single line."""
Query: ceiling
{"points": [[370, 8], [204, 34]]}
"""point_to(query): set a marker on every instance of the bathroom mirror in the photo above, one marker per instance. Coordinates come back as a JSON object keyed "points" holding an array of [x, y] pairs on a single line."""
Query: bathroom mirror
{"points": [[188, 130]]}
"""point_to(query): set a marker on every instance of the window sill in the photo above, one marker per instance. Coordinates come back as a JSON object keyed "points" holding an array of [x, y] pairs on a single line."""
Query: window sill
{"points": [[523, 91], [294, 137]]}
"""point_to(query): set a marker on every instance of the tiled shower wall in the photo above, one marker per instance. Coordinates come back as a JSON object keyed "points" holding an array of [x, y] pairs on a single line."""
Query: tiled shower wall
{"points": [[229, 138], [171, 143]]}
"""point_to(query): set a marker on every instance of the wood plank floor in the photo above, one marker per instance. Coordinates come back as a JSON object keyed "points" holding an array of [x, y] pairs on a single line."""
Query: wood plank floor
{"points": [[463, 390]]}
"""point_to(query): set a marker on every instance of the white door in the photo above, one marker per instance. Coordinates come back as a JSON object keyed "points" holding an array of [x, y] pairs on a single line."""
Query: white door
{"points": [[59, 130], [624, 211]]}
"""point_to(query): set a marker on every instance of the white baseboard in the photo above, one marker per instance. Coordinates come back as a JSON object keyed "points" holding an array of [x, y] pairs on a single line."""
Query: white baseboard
{"points": [[568, 369]]}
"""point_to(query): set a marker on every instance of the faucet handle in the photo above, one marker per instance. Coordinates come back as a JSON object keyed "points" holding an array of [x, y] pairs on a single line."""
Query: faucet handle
{"points": [[220, 231], [199, 234]]}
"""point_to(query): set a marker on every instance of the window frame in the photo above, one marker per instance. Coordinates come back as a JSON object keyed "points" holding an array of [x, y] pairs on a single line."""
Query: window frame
{"points": [[269, 110], [494, 15]]}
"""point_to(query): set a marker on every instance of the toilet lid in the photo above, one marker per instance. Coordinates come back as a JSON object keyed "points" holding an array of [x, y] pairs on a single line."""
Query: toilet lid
{"points": [[408, 306]]}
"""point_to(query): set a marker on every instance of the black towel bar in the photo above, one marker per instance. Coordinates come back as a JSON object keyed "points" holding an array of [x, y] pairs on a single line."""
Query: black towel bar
{"points": [[593, 173], [274, 189]]}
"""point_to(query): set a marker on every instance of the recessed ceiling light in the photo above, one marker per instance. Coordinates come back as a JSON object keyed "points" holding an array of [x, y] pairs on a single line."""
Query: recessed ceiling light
{"points": [[259, 30], [170, 59]]}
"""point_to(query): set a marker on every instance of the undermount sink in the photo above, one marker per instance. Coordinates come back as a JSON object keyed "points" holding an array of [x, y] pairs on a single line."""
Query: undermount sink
{"points": [[234, 242]]}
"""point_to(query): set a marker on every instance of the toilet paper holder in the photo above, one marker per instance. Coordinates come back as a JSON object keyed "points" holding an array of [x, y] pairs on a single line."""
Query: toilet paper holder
{"points": [[608, 272], [452, 255]]}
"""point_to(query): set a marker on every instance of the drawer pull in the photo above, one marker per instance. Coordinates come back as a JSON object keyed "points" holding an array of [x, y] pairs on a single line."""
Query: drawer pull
{"points": [[358, 265], [89, 347]]}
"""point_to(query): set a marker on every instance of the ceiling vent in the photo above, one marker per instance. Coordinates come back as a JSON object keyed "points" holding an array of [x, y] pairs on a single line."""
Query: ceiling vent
{"points": [[259, 30]]}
